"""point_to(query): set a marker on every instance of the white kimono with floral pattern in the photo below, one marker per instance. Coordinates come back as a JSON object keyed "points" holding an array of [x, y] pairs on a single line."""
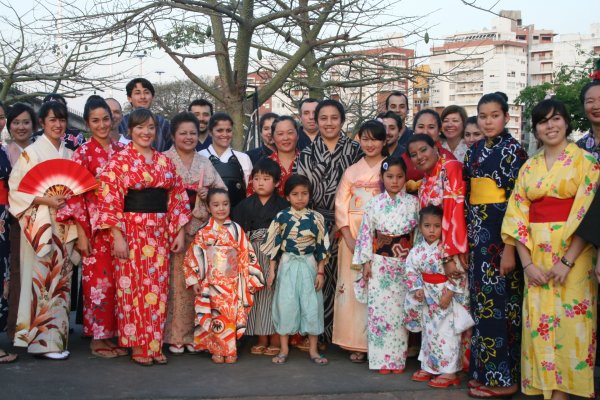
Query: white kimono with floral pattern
{"points": [[387, 337]]}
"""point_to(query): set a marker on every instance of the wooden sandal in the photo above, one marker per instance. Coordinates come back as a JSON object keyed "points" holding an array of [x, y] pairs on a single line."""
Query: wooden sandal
{"points": [[142, 360], [217, 359], [230, 359]]}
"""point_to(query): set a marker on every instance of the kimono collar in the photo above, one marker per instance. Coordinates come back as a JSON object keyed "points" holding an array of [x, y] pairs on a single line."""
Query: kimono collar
{"points": [[489, 143], [435, 171], [432, 245], [298, 213], [140, 156], [396, 198], [61, 149]]}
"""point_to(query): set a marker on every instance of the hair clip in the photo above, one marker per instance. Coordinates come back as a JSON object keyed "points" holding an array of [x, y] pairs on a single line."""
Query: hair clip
{"points": [[385, 166]]}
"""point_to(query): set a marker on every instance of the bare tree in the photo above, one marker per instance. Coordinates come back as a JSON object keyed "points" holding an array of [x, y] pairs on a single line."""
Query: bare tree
{"points": [[174, 97]]}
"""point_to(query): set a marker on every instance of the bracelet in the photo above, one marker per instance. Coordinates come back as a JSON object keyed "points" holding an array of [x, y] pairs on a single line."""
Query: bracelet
{"points": [[525, 266], [321, 273], [567, 262]]}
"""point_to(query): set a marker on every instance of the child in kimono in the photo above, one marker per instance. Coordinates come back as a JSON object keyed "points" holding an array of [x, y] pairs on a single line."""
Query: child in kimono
{"points": [[221, 267], [255, 214], [297, 242], [437, 300], [383, 242]]}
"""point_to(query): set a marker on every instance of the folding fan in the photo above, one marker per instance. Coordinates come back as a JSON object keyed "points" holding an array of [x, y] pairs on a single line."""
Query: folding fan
{"points": [[57, 177]]}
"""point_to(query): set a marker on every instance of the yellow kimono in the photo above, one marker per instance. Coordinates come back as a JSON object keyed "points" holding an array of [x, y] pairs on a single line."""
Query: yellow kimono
{"points": [[558, 347]]}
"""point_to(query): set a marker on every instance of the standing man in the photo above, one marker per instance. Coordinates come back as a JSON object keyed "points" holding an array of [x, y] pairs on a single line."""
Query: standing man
{"points": [[140, 94], [308, 130], [117, 117], [398, 102], [203, 110], [73, 138], [393, 123]]}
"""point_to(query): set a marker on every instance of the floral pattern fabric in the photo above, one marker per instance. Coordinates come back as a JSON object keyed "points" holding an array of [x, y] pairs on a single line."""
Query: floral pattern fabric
{"points": [[387, 336], [5, 168], [559, 333], [285, 174], [143, 278], [495, 300], [222, 261]]}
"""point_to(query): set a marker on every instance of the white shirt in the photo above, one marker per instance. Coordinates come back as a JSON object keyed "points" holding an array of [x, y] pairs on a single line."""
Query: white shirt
{"points": [[243, 159]]}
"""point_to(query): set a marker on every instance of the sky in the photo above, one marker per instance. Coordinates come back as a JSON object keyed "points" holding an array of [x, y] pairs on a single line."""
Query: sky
{"points": [[442, 17]]}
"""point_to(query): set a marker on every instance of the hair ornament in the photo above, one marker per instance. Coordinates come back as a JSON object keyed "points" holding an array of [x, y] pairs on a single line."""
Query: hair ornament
{"points": [[385, 166]]}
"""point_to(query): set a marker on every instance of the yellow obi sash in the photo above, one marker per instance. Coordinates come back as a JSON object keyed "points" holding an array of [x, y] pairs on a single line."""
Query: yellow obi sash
{"points": [[485, 191]]}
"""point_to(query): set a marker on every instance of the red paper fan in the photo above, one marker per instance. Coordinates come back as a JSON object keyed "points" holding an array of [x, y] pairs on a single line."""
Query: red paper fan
{"points": [[57, 177]]}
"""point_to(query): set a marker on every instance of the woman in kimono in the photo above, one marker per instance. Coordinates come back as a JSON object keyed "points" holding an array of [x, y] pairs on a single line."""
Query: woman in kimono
{"points": [[46, 246], [359, 184], [454, 120], [20, 122], [285, 137], [222, 269], [198, 175], [145, 206], [590, 99], [496, 287], [323, 162], [266, 136], [383, 242], [99, 296], [553, 192]]}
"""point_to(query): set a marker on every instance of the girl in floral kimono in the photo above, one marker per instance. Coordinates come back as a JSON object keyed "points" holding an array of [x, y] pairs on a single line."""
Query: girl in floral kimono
{"points": [[441, 338], [383, 241], [144, 204], [221, 267], [99, 294], [553, 192]]}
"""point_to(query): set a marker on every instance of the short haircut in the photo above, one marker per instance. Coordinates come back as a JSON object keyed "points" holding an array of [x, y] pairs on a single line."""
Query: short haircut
{"points": [[115, 100], [268, 167], [264, 118], [328, 103], [435, 211], [139, 116], [216, 117], [184, 116], [304, 101], [377, 131], [395, 116], [497, 97], [282, 118], [454, 109], [214, 191], [395, 93], [552, 107], [93, 102], [58, 109], [55, 97], [297, 180], [142, 81], [202, 103], [471, 120], [17, 109], [427, 111], [390, 162], [585, 89], [420, 137]]}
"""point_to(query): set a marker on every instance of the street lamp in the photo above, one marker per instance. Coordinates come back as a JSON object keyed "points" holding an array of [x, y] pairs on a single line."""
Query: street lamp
{"points": [[160, 73], [141, 57]]}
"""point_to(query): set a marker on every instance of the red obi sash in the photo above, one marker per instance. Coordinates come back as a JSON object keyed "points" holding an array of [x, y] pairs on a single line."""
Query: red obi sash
{"points": [[550, 209], [434, 279], [3, 192]]}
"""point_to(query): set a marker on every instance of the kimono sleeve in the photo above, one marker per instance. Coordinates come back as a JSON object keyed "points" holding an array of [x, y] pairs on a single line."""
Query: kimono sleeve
{"points": [[254, 276], [271, 245], [111, 196], [19, 202], [515, 226], [342, 201], [322, 239], [363, 251], [454, 227], [194, 262], [76, 209], [513, 158], [414, 280], [179, 204]]}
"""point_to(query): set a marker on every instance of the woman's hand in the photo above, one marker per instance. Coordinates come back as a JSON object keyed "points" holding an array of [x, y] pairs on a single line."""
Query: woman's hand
{"points": [[197, 289], [202, 192], [120, 249], [446, 299], [451, 270], [419, 295], [559, 273], [508, 263], [83, 245], [179, 242], [51, 201], [536, 275], [366, 272], [319, 281], [348, 239]]}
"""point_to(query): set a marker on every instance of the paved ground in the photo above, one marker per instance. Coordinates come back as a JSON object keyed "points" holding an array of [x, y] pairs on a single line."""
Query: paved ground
{"points": [[196, 377]]}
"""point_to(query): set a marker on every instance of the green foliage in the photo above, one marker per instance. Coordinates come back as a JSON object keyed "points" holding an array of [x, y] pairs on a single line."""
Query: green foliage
{"points": [[184, 35], [566, 85]]}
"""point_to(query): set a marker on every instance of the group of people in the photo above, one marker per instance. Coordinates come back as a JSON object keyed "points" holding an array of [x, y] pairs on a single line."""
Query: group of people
{"points": [[445, 240]]}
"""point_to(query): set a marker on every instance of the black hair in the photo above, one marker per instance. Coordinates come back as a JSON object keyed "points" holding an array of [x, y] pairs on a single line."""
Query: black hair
{"points": [[333, 103], [585, 89], [282, 118], [496, 97], [390, 162], [216, 117], [264, 118], [297, 180], [435, 211], [427, 111], [304, 101], [142, 81], [214, 191], [268, 167], [376, 130], [93, 102], [17, 109], [553, 107], [395, 93], [55, 97], [471, 120], [139, 116], [420, 137], [182, 117], [202, 103], [395, 116], [58, 109]]}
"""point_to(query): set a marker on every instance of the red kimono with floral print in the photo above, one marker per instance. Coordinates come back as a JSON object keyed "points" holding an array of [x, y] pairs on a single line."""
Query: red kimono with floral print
{"points": [[285, 174], [98, 284], [142, 279]]}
